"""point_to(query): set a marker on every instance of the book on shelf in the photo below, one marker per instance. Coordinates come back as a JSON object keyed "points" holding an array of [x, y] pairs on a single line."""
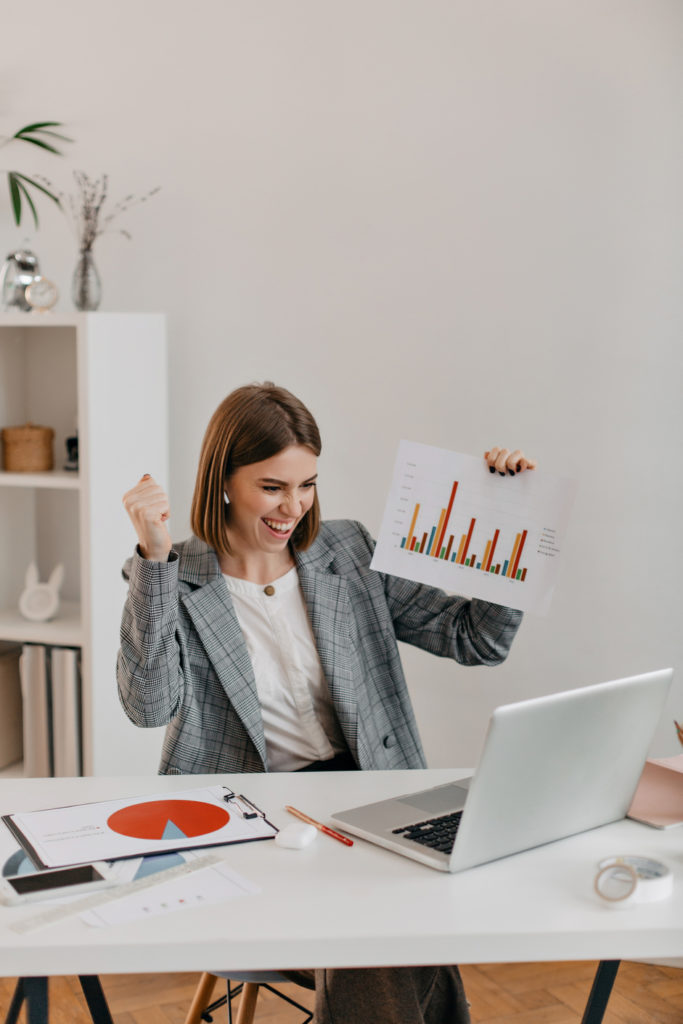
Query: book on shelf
{"points": [[11, 740], [35, 693], [51, 698], [66, 703]]}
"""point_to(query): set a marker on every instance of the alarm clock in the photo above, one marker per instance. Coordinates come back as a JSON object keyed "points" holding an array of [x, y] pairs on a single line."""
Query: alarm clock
{"points": [[19, 270], [41, 294]]}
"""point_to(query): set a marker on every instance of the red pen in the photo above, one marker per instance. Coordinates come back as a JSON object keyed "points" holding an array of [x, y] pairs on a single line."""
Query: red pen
{"points": [[321, 828]]}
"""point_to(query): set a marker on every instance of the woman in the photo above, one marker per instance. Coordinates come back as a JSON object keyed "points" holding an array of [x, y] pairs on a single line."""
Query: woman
{"points": [[266, 643]]}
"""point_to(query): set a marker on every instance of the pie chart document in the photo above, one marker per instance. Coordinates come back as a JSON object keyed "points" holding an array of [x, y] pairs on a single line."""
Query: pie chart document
{"points": [[134, 827]]}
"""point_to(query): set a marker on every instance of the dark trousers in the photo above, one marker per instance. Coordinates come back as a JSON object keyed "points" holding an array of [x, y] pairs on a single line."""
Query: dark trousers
{"points": [[386, 995], [383, 995]]}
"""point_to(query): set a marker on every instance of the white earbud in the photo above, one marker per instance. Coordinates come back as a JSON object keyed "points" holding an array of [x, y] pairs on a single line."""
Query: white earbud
{"points": [[226, 499]]}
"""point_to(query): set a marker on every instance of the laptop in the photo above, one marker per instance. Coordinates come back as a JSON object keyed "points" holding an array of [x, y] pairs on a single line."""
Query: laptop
{"points": [[551, 767]]}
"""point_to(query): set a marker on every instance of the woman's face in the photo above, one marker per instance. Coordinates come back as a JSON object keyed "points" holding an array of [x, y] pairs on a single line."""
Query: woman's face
{"points": [[268, 499]]}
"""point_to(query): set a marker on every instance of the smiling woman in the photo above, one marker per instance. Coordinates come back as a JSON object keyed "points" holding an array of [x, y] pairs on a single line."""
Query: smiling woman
{"points": [[268, 500], [249, 433], [266, 643]]}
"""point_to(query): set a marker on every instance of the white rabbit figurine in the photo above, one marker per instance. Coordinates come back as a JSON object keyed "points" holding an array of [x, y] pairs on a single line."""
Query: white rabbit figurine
{"points": [[40, 601]]}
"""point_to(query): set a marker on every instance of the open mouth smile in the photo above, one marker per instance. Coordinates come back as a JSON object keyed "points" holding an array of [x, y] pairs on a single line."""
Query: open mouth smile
{"points": [[277, 527]]}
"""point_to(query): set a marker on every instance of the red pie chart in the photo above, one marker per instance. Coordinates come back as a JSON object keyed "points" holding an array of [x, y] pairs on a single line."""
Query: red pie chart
{"points": [[168, 819]]}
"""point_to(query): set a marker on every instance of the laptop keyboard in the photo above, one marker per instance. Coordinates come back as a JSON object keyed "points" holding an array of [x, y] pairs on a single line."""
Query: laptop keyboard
{"points": [[436, 833]]}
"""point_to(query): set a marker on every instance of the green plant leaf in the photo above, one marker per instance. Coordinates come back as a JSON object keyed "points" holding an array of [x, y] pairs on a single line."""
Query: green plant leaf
{"points": [[25, 134], [56, 135], [37, 126], [19, 184], [39, 142], [35, 184], [15, 196], [29, 201]]}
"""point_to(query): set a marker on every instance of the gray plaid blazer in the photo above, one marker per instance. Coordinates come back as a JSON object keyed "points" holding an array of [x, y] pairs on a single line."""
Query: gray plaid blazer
{"points": [[183, 660]]}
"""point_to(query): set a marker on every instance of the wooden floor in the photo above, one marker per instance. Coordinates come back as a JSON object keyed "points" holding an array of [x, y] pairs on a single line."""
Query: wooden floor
{"points": [[499, 993]]}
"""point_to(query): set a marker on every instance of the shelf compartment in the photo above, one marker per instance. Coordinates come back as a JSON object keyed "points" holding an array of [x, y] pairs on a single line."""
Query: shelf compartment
{"points": [[59, 479], [65, 630], [68, 371]]}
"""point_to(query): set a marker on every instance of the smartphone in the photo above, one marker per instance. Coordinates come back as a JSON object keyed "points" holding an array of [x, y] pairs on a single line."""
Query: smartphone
{"points": [[53, 882]]}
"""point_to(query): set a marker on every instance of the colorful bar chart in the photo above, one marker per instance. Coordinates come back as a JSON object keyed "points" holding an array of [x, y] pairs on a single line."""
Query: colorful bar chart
{"points": [[439, 546], [449, 523]]}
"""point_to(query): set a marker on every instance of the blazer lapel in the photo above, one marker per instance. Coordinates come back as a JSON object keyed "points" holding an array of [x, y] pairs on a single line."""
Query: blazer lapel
{"points": [[213, 615], [326, 595], [327, 599]]}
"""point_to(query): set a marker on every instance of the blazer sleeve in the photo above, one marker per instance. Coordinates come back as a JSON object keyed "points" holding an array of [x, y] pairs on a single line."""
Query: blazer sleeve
{"points": [[149, 665], [473, 632]]}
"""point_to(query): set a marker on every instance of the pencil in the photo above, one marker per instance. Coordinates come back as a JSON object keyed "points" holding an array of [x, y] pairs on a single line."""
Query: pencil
{"points": [[321, 828]]}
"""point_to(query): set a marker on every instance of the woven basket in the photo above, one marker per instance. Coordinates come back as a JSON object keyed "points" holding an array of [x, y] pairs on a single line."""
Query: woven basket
{"points": [[27, 449]]}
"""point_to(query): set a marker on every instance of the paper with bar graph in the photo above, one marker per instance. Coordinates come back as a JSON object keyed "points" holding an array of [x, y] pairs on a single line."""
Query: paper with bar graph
{"points": [[451, 523]]}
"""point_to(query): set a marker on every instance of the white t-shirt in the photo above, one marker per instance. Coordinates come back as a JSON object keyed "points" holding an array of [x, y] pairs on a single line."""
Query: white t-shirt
{"points": [[299, 720]]}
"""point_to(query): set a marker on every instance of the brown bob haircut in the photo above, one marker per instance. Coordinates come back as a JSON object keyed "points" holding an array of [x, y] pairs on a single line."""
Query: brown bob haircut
{"points": [[253, 423]]}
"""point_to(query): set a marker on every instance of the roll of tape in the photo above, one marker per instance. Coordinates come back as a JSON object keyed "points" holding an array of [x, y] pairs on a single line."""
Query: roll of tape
{"points": [[628, 879]]}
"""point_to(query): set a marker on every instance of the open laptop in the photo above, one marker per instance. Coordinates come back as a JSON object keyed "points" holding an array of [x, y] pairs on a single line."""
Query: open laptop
{"points": [[551, 767]]}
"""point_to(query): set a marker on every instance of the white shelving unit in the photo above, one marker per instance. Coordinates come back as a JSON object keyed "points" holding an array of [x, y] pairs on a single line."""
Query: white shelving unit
{"points": [[105, 374]]}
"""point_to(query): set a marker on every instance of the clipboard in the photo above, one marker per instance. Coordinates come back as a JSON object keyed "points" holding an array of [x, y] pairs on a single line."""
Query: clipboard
{"points": [[138, 826]]}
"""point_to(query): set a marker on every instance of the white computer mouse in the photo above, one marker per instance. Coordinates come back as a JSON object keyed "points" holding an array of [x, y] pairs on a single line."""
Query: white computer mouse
{"points": [[296, 836]]}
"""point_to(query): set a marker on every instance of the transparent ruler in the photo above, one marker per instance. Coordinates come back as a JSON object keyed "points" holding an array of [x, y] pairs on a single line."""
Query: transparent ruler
{"points": [[53, 915]]}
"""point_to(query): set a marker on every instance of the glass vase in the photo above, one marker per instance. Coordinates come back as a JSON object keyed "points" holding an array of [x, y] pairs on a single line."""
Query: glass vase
{"points": [[86, 287]]}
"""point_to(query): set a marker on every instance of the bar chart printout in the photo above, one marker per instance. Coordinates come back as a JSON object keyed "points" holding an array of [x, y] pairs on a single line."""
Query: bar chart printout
{"points": [[450, 523]]}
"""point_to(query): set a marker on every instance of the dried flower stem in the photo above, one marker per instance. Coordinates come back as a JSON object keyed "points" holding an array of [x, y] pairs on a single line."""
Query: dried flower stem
{"points": [[84, 208]]}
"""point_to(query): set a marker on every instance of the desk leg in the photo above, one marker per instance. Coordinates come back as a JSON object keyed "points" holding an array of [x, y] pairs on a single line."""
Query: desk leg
{"points": [[17, 1000], [600, 992], [34, 991], [95, 998]]}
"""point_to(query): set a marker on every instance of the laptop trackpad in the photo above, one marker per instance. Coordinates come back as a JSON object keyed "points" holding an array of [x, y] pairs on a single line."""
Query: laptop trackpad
{"points": [[439, 800]]}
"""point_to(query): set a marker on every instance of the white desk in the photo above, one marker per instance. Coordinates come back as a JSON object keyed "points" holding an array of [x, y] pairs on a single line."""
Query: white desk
{"points": [[330, 905]]}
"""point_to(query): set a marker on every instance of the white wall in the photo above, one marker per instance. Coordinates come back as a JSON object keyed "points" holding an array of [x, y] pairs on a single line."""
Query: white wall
{"points": [[457, 222]]}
